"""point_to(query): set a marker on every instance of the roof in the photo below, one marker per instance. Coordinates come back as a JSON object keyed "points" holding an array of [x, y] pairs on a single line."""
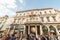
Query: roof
{"points": [[33, 10]]}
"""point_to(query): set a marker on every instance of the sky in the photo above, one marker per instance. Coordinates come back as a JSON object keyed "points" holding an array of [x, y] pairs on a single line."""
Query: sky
{"points": [[10, 7]]}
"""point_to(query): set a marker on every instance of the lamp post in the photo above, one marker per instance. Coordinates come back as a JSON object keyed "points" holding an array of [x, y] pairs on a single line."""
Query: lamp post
{"points": [[33, 30]]}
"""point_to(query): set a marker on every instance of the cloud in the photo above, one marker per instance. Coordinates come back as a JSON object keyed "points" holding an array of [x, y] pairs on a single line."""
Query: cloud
{"points": [[21, 1], [6, 7], [8, 3]]}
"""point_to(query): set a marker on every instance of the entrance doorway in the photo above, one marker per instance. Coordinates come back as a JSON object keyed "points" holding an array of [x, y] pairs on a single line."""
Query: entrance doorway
{"points": [[52, 29], [31, 29], [45, 30]]}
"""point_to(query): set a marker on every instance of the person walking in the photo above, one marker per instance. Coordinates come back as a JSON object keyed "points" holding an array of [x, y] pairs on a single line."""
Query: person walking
{"points": [[53, 37], [46, 37], [24, 37], [3, 37], [43, 37]]}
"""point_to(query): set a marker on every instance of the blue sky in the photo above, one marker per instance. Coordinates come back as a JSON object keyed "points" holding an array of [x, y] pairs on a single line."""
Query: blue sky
{"points": [[42, 4], [9, 7]]}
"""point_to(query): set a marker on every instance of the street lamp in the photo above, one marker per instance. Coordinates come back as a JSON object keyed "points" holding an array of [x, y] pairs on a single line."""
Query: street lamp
{"points": [[33, 30]]}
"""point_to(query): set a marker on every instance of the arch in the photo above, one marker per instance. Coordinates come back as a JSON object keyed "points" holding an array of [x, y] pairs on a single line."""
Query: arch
{"points": [[58, 27], [45, 30], [52, 29]]}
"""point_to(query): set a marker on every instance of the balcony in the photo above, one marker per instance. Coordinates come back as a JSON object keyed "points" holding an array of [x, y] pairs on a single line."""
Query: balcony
{"points": [[32, 21]]}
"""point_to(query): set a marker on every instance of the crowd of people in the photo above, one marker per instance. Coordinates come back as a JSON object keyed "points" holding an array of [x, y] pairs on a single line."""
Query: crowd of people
{"points": [[17, 36]]}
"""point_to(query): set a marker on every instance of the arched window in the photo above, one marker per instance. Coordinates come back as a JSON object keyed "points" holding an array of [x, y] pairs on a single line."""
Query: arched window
{"points": [[45, 30], [52, 29], [58, 27], [40, 12]]}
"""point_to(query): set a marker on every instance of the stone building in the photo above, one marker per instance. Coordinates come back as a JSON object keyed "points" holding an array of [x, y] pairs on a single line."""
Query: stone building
{"points": [[37, 21]]}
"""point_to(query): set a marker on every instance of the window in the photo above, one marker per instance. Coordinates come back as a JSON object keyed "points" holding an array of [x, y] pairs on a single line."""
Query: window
{"points": [[54, 18], [49, 11], [35, 12], [45, 12], [20, 14], [48, 19], [36, 18], [42, 19], [31, 12], [24, 13], [14, 20], [40, 12], [30, 18], [23, 18], [58, 27]]}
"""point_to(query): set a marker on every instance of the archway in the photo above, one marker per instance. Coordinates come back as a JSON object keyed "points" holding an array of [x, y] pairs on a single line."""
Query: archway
{"points": [[45, 30], [58, 27], [52, 29]]}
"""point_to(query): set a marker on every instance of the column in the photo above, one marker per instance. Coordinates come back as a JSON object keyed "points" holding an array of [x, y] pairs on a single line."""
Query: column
{"points": [[24, 29], [57, 32], [13, 30], [36, 30], [48, 30], [29, 29], [41, 32], [8, 30]]}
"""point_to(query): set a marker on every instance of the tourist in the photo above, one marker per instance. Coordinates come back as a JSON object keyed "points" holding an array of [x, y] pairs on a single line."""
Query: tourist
{"points": [[39, 37], [53, 37], [46, 37], [8, 37], [43, 37], [12, 37], [24, 37], [3, 37], [30, 37]]}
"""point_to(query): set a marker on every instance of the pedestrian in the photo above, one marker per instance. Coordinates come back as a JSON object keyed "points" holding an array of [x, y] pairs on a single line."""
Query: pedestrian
{"points": [[30, 37], [24, 37], [53, 37], [39, 37], [8, 37], [43, 37], [12, 37], [46, 37], [3, 37]]}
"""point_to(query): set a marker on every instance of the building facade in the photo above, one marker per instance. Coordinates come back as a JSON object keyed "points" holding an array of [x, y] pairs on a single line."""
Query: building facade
{"points": [[37, 21]]}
